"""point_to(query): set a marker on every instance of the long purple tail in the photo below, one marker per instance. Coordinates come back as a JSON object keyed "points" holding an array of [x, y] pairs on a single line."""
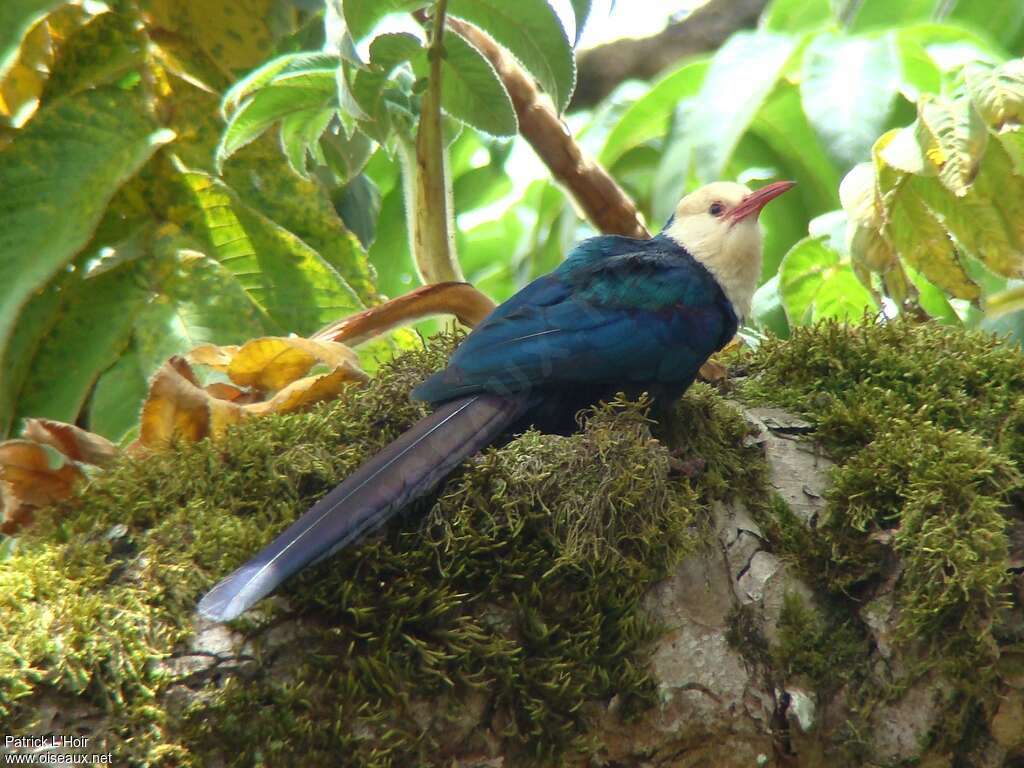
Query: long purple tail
{"points": [[407, 468]]}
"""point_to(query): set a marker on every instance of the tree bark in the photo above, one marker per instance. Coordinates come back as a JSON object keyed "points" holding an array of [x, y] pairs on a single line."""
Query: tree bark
{"points": [[603, 68]]}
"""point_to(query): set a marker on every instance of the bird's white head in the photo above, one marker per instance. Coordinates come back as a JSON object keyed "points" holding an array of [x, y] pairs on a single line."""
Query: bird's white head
{"points": [[717, 225]]}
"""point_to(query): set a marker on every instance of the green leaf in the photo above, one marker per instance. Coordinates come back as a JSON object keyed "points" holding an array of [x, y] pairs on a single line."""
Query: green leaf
{"points": [[319, 65], [797, 15], [303, 208], [848, 88], [742, 74], [998, 94], [374, 90], [358, 204], [648, 117], [1002, 19], [954, 137], [58, 176], [94, 324], [197, 301], [282, 275], [36, 319], [933, 300], [781, 122], [470, 88], [362, 15], [17, 17], [872, 14], [301, 130], [815, 283], [1005, 302], [581, 10], [530, 29], [345, 155], [267, 106], [98, 53], [117, 398], [1012, 140]]}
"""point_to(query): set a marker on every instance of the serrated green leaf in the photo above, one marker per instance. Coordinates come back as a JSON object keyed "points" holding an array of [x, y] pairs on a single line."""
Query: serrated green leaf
{"points": [[954, 137], [742, 74], [997, 185], [531, 30], [269, 105], [117, 398], [921, 240], [848, 87], [346, 156], [648, 117], [797, 15], [581, 11], [374, 89], [286, 278], [470, 88], [17, 17], [998, 94], [815, 284], [362, 16], [1012, 140], [321, 65], [93, 326], [301, 130], [58, 176]]}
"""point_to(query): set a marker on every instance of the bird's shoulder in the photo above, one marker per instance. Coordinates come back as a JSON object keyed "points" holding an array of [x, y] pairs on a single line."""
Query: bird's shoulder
{"points": [[620, 271]]}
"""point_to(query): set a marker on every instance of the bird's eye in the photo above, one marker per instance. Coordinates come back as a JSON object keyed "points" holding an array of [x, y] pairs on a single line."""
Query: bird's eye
{"points": [[716, 209]]}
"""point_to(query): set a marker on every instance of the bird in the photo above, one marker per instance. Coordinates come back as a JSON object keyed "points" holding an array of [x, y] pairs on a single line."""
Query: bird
{"points": [[617, 315]]}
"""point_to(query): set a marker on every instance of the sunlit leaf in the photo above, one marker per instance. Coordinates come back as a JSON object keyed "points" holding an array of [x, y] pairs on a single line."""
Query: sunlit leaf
{"points": [[848, 88], [470, 88], [954, 137], [648, 117], [581, 10], [797, 15], [299, 131], [1005, 302], [531, 30], [815, 283], [269, 105], [309, 390], [1003, 19], [998, 94], [283, 275], [741, 76], [872, 14], [362, 15], [177, 408]]}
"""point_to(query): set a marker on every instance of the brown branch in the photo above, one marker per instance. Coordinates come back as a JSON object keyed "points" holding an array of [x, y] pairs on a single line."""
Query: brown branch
{"points": [[603, 201], [462, 300], [603, 68]]}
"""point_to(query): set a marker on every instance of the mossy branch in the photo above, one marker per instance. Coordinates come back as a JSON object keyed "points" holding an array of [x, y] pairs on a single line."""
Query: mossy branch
{"points": [[431, 236]]}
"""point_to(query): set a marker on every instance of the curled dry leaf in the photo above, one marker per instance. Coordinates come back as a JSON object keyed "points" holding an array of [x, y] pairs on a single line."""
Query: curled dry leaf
{"points": [[178, 408], [28, 482], [272, 363], [466, 303], [74, 442]]}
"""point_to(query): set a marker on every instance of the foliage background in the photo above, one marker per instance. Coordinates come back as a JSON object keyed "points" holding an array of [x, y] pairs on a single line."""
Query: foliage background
{"points": [[179, 173]]}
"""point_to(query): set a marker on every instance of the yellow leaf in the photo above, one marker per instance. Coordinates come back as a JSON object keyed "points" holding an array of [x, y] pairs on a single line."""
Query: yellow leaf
{"points": [[954, 137], [309, 390], [213, 356], [274, 362], [235, 34]]}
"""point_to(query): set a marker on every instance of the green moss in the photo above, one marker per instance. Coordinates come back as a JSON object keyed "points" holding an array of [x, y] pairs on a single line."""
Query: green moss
{"points": [[824, 649], [926, 423], [520, 583]]}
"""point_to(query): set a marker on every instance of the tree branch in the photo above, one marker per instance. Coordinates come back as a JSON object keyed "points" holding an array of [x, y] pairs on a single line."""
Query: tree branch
{"points": [[603, 201], [602, 68], [433, 243]]}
